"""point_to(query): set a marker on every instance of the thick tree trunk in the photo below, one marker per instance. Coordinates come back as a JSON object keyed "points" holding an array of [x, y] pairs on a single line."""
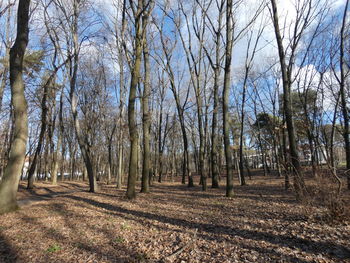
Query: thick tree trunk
{"points": [[135, 75], [214, 137], [226, 93], [12, 173]]}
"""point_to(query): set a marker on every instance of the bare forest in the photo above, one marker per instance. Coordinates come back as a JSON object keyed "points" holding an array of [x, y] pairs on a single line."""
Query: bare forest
{"points": [[174, 131]]}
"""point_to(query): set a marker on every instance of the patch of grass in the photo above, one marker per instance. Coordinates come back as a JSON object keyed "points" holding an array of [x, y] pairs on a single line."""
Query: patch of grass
{"points": [[141, 257], [125, 226], [119, 239], [53, 248]]}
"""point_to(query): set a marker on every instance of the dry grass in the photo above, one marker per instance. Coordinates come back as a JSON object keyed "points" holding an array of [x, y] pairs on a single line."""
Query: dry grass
{"points": [[263, 223]]}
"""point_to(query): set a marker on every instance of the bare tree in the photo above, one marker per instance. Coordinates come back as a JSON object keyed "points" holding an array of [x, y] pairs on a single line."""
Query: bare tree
{"points": [[139, 10]]}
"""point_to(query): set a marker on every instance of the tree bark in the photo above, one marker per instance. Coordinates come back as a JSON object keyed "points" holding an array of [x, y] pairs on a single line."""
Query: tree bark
{"points": [[12, 173], [146, 116], [226, 93], [214, 136], [135, 75], [82, 140], [44, 112], [241, 155], [216, 68], [343, 93], [299, 184]]}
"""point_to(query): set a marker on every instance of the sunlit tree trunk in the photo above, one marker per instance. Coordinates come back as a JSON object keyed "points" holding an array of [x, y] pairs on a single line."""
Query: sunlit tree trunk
{"points": [[146, 116], [12, 173], [226, 93], [82, 141], [135, 75], [55, 158]]}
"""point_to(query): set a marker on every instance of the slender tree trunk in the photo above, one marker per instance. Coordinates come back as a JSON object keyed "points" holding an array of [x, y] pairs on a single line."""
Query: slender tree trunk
{"points": [[121, 115], [186, 160], [55, 160], [7, 53], [110, 155], [120, 166], [180, 111], [53, 149], [343, 93], [74, 62], [146, 117], [284, 153], [12, 173], [160, 151], [214, 136], [63, 156], [331, 143], [226, 93], [44, 113], [299, 184], [241, 155]]}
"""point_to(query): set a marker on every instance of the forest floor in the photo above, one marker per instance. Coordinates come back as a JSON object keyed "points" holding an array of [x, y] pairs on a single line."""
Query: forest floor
{"points": [[173, 223]]}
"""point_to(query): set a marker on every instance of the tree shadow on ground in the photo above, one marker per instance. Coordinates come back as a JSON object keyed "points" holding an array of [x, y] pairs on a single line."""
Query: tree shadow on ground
{"points": [[134, 256], [114, 252], [293, 242], [8, 253]]}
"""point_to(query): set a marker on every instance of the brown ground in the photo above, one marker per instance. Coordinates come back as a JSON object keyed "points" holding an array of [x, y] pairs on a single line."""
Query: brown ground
{"points": [[262, 223]]}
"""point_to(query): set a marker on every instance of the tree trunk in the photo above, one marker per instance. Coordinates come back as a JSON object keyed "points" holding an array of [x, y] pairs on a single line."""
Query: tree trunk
{"points": [[135, 75], [214, 137], [160, 137], [343, 93], [146, 116], [120, 166], [241, 155], [226, 93], [12, 173], [84, 147], [299, 184], [44, 113], [55, 160]]}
